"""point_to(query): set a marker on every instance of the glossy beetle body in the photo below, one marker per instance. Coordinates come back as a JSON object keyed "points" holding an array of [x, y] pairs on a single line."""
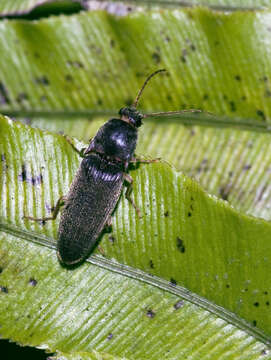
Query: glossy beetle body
{"points": [[97, 186]]}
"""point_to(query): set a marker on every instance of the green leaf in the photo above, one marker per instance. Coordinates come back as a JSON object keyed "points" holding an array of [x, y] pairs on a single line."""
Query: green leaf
{"points": [[89, 62], [185, 237], [73, 67], [45, 7], [94, 355]]}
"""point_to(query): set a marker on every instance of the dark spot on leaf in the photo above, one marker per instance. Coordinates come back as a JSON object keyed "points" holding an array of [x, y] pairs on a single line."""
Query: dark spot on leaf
{"points": [[191, 198], [43, 80], [150, 313], [112, 43], [261, 114], [109, 336], [180, 245], [254, 323], [111, 239], [166, 213], [49, 208], [193, 47], [21, 97], [75, 63], [246, 289], [267, 303], [227, 286], [237, 77], [265, 292], [23, 175], [34, 180], [128, 101], [37, 55], [256, 304], [100, 102], [224, 192], [173, 282], [68, 77], [247, 167], [178, 304], [43, 98], [1, 270], [37, 180], [156, 57], [264, 352], [4, 98], [3, 289], [264, 78], [205, 97], [32, 282], [232, 106], [169, 97], [243, 98], [151, 264], [189, 214]]}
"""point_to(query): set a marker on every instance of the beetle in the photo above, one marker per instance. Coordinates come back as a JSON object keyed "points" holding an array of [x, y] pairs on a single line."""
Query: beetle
{"points": [[98, 183]]}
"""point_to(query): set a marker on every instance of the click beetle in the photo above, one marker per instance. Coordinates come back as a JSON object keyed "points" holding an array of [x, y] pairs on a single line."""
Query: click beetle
{"points": [[98, 183]]}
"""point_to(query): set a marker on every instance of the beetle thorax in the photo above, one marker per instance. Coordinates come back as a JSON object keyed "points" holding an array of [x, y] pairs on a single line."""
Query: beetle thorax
{"points": [[116, 140]]}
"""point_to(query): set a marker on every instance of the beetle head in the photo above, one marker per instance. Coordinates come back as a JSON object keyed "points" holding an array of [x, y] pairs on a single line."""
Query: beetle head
{"points": [[131, 115]]}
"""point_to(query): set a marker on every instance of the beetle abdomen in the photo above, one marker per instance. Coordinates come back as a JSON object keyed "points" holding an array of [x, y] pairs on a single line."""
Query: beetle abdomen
{"points": [[92, 198]]}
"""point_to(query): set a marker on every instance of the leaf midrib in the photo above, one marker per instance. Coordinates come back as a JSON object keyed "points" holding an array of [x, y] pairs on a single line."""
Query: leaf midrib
{"points": [[214, 121]]}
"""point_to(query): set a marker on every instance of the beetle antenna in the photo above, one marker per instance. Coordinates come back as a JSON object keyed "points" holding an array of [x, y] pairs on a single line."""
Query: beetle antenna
{"points": [[145, 83], [177, 112]]}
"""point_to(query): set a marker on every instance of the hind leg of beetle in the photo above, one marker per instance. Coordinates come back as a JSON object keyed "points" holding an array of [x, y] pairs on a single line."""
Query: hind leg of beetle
{"points": [[108, 225], [80, 152], [107, 228], [60, 202], [129, 191]]}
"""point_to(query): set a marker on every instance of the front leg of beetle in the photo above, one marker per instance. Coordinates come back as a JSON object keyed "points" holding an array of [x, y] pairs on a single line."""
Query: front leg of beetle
{"points": [[80, 152], [129, 189], [60, 202]]}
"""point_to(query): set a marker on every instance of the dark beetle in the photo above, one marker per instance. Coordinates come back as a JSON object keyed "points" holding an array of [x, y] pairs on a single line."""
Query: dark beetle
{"points": [[98, 183], [97, 186]]}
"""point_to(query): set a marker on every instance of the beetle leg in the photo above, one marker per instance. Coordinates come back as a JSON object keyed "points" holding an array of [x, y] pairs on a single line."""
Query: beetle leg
{"points": [[80, 152], [129, 189], [136, 160], [59, 203], [101, 250], [108, 224]]}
